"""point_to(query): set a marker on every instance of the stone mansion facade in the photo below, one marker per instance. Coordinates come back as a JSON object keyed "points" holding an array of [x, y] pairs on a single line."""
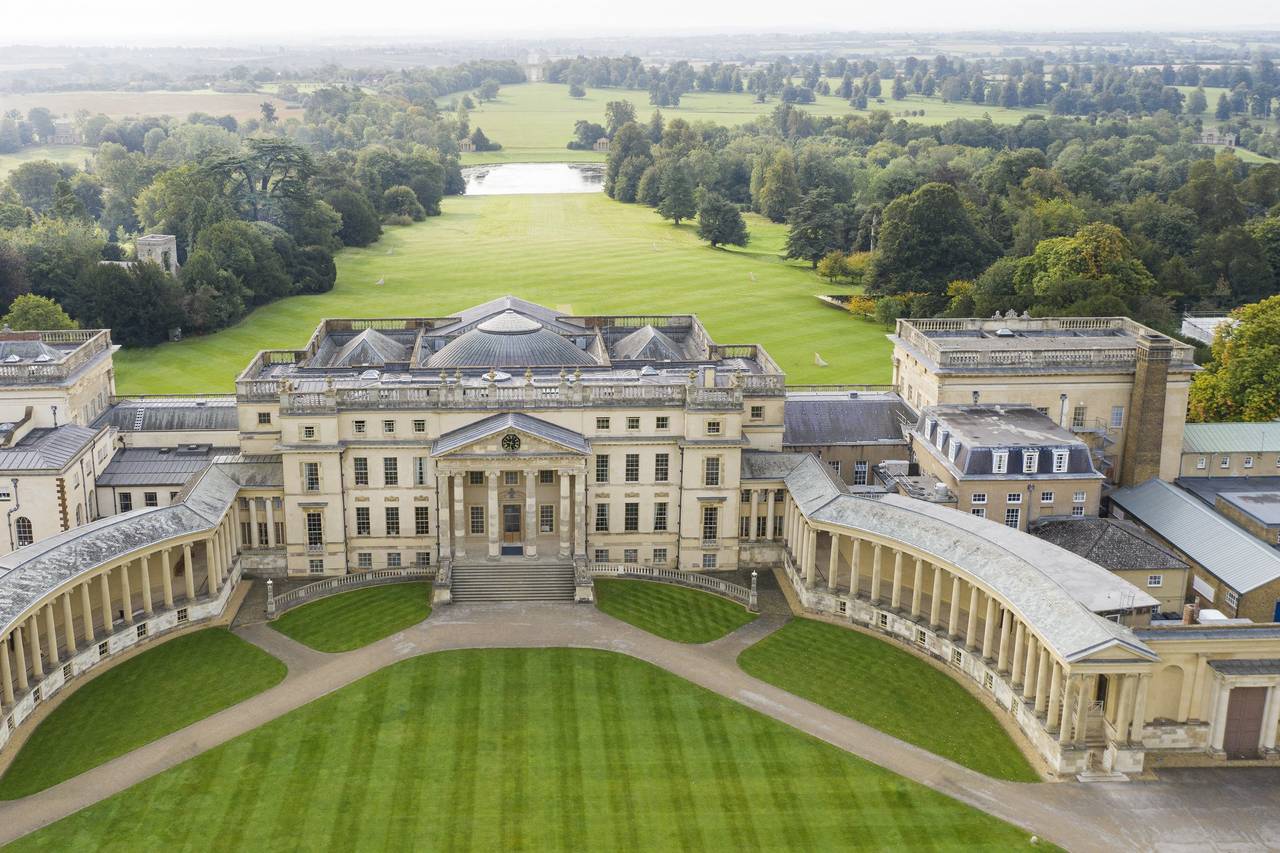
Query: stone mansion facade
{"points": [[512, 438]]}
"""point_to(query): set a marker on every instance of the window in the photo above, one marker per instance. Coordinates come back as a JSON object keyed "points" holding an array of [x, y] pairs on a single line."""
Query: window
{"points": [[762, 527], [1013, 498], [475, 478], [1060, 458], [978, 498], [126, 501], [659, 555], [361, 467], [602, 467], [1224, 462], [103, 650], [390, 471], [1012, 517], [389, 426], [1000, 462], [1046, 497], [1248, 462], [989, 681], [631, 519], [1203, 462], [859, 473], [182, 616], [309, 432], [510, 478], [708, 561], [630, 555], [662, 422], [547, 518], [316, 567], [713, 427], [6, 495], [546, 477], [757, 413], [315, 530], [419, 425], [364, 560], [1030, 461], [311, 476], [957, 657], [1155, 580], [602, 423], [1078, 497], [363, 527], [358, 427], [419, 470], [979, 511], [150, 499], [421, 521], [711, 471], [477, 520], [661, 467], [1077, 511], [264, 418], [393, 560], [600, 555], [922, 638], [660, 517], [744, 527], [710, 523], [602, 518], [633, 424], [631, 471], [1078, 416], [422, 559], [1232, 598], [1044, 410], [1117, 416], [834, 465], [25, 533]]}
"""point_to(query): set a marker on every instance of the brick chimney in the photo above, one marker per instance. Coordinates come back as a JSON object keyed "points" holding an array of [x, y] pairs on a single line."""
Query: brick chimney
{"points": [[1144, 434]]}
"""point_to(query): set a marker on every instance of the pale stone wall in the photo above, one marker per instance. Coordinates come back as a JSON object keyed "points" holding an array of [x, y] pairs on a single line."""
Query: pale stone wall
{"points": [[1263, 464]]}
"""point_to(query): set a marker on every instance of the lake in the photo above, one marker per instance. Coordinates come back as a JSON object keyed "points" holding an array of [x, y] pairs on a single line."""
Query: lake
{"points": [[534, 178]]}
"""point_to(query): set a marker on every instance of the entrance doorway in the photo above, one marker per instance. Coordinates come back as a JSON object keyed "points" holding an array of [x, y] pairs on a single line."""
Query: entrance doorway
{"points": [[1244, 722], [512, 540]]}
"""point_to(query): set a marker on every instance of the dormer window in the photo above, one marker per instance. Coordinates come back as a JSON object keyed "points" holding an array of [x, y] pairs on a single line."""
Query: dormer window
{"points": [[1030, 461], [1060, 458], [955, 450], [999, 461]]}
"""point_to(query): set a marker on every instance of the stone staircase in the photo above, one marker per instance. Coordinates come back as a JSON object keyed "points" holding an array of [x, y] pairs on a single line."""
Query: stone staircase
{"points": [[513, 582]]}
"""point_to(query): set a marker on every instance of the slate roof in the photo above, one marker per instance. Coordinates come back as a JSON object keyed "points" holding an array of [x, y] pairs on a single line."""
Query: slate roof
{"points": [[1246, 667], [477, 314], [252, 470], [1229, 552], [157, 466], [1208, 489], [370, 348], [511, 420], [47, 448], [1109, 542], [1058, 593], [1261, 437], [812, 419], [29, 573], [964, 438], [510, 340], [182, 414], [769, 465], [648, 344]]}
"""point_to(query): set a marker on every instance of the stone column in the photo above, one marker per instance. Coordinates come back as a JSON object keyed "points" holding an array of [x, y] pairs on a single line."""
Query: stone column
{"points": [[211, 566], [810, 556], [166, 579], [254, 541], [1070, 687], [1043, 671], [1055, 695], [444, 500], [580, 513], [971, 627], [1220, 716], [6, 672], [189, 571], [531, 512], [935, 599], [271, 521], [755, 512], [146, 584], [989, 627], [492, 523], [1002, 659], [86, 609], [916, 591], [20, 658], [1124, 708], [895, 591], [833, 561], [768, 515], [108, 618], [563, 521], [876, 559], [52, 631], [33, 629], [953, 616], [1270, 720], [126, 593], [855, 565], [1019, 649], [68, 625], [461, 524], [1029, 671], [1082, 709], [236, 527]]}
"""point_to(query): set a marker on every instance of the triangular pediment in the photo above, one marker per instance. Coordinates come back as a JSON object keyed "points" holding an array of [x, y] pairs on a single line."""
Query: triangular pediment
{"points": [[510, 434]]}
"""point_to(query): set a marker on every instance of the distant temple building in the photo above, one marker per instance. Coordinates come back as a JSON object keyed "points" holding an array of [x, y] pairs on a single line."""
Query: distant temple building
{"points": [[65, 133], [1213, 136]]}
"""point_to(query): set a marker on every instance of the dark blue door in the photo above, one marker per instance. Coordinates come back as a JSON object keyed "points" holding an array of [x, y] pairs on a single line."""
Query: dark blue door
{"points": [[1275, 617]]}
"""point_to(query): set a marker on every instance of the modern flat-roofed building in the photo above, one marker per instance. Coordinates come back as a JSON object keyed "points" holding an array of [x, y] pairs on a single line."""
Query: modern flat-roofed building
{"points": [[1107, 379]]}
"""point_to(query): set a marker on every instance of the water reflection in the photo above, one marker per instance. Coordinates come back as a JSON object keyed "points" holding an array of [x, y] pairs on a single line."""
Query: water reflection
{"points": [[528, 178]]}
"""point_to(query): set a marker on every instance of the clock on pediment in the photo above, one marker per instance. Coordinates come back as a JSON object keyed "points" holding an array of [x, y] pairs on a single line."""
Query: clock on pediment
{"points": [[511, 442]]}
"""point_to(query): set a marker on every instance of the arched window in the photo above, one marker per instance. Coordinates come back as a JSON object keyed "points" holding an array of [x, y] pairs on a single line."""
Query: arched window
{"points": [[25, 534]]}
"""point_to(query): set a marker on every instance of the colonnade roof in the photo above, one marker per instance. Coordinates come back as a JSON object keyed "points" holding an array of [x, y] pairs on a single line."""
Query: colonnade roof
{"points": [[1058, 593], [28, 574]]}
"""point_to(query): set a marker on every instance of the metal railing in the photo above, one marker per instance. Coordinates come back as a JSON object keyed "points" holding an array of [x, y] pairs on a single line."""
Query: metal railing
{"points": [[277, 604], [634, 571]]}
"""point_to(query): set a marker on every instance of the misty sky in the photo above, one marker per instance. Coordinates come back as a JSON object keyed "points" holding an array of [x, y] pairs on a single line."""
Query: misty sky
{"points": [[276, 21]]}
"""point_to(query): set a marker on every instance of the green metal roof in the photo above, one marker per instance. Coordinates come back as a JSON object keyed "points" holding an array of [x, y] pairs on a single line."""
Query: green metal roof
{"points": [[1262, 437]]}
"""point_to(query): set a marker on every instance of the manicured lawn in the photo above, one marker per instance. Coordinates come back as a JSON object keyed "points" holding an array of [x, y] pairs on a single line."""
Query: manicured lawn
{"points": [[578, 253], [875, 683], [160, 691], [353, 619], [73, 154], [683, 615], [529, 749]]}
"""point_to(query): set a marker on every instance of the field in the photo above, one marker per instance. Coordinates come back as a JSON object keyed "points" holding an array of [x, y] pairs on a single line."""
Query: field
{"points": [[534, 121], [179, 104], [353, 619], [676, 613], [577, 253], [540, 749], [73, 154]]}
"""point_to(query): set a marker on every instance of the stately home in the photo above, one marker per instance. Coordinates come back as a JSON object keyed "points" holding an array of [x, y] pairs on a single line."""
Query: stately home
{"points": [[513, 452]]}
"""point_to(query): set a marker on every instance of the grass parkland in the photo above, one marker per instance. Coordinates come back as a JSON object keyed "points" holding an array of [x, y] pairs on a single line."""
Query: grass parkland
{"points": [[350, 620]]}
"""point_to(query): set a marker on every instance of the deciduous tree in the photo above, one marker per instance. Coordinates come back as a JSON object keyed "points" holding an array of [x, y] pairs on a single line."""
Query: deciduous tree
{"points": [[1239, 383]]}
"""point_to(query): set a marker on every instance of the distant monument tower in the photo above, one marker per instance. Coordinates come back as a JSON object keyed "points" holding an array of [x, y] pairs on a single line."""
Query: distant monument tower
{"points": [[161, 249]]}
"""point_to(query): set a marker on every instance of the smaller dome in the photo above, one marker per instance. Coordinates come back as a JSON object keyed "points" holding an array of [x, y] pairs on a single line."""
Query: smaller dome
{"points": [[510, 323]]}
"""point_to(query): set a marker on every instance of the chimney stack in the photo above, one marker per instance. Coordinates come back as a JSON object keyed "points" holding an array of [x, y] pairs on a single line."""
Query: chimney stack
{"points": [[1144, 430]]}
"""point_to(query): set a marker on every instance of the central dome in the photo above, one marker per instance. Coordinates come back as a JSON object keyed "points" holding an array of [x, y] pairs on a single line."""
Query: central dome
{"points": [[512, 340]]}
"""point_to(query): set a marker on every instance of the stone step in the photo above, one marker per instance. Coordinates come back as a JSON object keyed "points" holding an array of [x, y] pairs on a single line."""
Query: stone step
{"points": [[513, 583]]}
